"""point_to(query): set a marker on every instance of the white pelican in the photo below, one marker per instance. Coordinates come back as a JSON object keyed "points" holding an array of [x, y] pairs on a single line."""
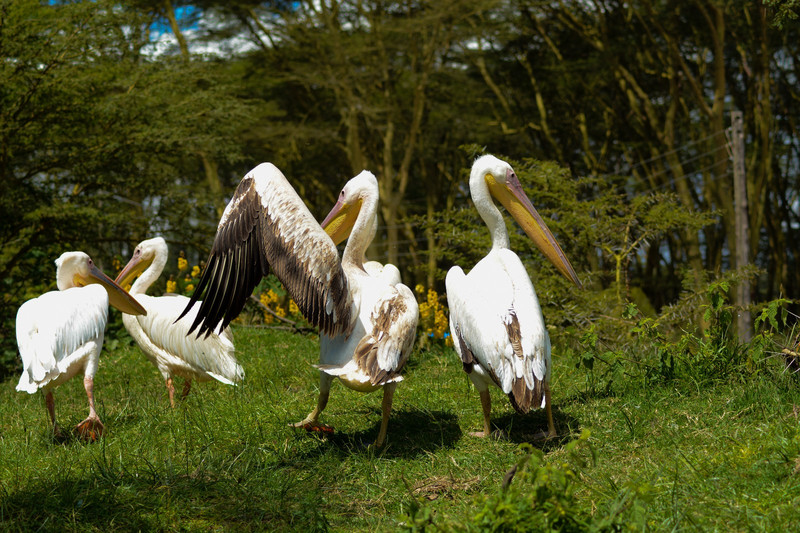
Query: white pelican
{"points": [[495, 318], [60, 333], [367, 326], [165, 340]]}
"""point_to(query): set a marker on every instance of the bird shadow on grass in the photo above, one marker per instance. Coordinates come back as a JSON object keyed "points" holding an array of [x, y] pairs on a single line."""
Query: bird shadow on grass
{"points": [[411, 433], [532, 428], [140, 501]]}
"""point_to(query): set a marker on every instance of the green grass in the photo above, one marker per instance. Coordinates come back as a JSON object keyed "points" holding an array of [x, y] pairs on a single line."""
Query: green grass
{"points": [[669, 457]]}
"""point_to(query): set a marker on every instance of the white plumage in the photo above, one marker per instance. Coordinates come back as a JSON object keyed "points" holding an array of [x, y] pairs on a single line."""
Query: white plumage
{"points": [[164, 340], [367, 323], [495, 318], [60, 334], [56, 346]]}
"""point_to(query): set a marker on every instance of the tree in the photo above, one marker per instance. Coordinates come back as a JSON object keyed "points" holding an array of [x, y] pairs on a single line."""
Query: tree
{"points": [[644, 89], [95, 137]]}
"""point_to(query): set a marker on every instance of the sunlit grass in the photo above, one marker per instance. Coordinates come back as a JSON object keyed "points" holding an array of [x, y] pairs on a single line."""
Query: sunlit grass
{"points": [[725, 457]]}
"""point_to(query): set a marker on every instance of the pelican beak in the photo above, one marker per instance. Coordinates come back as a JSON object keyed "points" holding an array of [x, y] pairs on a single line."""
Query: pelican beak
{"points": [[117, 296], [135, 266], [516, 202], [340, 221]]}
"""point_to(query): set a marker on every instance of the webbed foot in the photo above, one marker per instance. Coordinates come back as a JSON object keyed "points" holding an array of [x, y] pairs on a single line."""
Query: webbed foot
{"points": [[90, 429]]}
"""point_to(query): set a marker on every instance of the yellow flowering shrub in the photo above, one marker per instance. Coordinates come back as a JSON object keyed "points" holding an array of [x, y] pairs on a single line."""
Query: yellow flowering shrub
{"points": [[433, 324], [277, 300], [182, 262], [186, 280]]}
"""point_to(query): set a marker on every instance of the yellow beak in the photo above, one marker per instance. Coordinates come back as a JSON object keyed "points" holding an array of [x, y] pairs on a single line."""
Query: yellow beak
{"points": [[516, 202], [340, 221], [134, 267], [117, 296]]}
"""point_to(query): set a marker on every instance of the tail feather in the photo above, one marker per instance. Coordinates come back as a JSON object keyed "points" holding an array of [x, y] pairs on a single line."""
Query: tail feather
{"points": [[523, 398]]}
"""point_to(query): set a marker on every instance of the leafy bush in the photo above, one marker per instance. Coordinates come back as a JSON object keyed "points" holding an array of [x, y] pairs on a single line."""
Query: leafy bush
{"points": [[670, 349]]}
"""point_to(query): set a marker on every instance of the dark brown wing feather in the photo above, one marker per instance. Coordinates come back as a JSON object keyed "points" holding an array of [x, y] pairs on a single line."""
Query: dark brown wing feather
{"points": [[235, 264], [467, 357], [266, 225], [522, 397], [306, 278]]}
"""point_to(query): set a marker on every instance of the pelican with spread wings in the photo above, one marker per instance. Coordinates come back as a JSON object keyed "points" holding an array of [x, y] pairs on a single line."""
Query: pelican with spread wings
{"points": [[367, 324]]}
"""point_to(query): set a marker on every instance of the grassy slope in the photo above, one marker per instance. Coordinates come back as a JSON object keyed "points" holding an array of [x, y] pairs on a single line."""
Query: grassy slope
{"points": [[721, 458]]}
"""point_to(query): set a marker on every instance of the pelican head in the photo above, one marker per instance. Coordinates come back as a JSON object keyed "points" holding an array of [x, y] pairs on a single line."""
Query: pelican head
{"points": [[76, 269], [144, 255], [489, 172], [340, 221]]}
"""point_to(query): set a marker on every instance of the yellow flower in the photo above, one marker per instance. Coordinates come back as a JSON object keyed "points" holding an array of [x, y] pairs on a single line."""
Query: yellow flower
{"points": [[419, 289], [182, 263], [293, 309], [189, 288], [171, 286], [116, 263], [195, 271], [272, 296], [433, 298], [280, 311], [268, 318]]}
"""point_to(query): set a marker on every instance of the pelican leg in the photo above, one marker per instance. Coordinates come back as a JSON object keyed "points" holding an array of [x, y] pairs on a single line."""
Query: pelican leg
{"points": [[486, 406], [551, 427], [311, 422], [386, 407], [92, 428], [51, 409], [187, 386], [171, 392]]}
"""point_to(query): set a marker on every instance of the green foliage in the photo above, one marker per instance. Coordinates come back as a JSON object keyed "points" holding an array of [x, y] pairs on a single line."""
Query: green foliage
{"points": [[655, 352], [784, 11], [542, 495], [100, 143]]}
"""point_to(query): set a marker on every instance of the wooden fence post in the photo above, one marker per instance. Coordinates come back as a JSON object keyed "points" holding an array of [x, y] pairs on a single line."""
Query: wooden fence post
{"points": [[744, 322]]}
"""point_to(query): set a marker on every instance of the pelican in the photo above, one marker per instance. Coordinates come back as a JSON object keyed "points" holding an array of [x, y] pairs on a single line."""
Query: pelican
{"points": [[495, 319], [165, 340], [60, 333], [367, 325]]}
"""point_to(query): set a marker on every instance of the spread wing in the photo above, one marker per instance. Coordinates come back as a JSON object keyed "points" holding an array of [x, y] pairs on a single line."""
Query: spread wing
{"points": [[266, 225]]}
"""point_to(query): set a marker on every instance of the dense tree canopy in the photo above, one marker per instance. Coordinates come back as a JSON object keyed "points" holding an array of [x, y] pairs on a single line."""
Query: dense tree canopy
{"points": [[108, 136]]}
